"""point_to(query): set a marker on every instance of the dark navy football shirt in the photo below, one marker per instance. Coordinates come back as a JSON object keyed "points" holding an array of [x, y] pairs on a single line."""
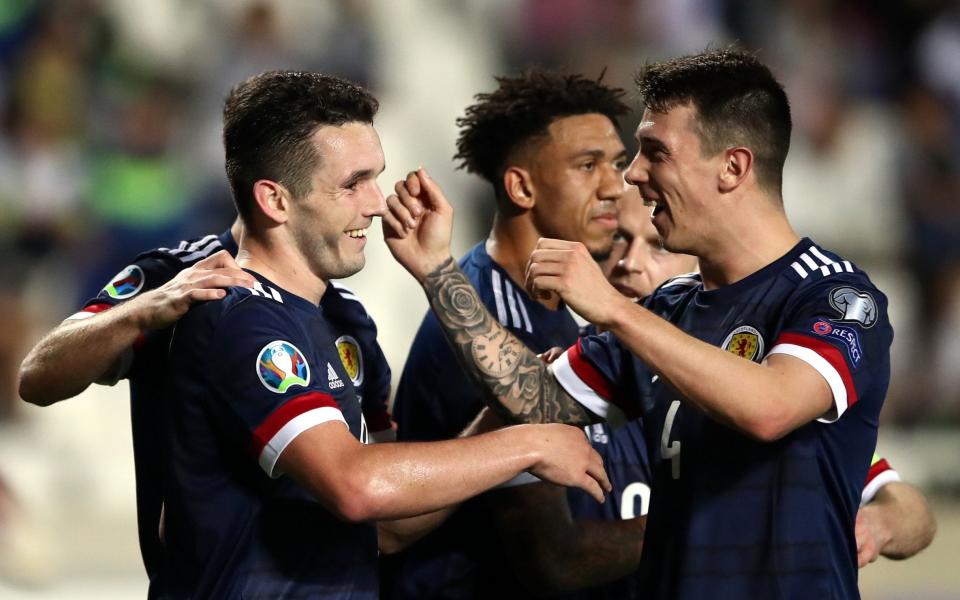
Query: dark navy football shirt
{"points": [[730, 516], [145, 364], [248, 374]]}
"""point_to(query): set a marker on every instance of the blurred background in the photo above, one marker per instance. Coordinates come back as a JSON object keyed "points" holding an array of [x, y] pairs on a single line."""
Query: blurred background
{"points": [[110, 145]]}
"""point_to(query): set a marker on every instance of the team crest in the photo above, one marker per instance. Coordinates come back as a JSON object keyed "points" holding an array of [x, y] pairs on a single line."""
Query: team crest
{"points": [[744, 341], [280, 366], [854, 305], [349, 351], [126, 283]]}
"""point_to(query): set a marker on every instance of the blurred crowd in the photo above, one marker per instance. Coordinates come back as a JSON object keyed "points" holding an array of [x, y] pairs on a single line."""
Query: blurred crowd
{"points": [[109, 130]]}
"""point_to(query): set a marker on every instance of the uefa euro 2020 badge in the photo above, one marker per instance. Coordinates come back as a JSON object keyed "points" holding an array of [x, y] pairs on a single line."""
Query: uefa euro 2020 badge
{"points": [[126, 283], [281, 365]]}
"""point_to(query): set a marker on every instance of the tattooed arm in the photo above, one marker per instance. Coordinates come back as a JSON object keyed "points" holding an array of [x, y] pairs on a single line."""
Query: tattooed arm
{"points": [[516, 384]]}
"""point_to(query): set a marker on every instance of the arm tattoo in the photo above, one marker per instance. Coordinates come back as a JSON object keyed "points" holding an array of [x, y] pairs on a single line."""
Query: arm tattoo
{"points": [[517, 384]]}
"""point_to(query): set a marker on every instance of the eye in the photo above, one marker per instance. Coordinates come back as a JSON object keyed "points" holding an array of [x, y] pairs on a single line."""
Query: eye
{"points": [[621, 165], [354, 185], [588, 166]]}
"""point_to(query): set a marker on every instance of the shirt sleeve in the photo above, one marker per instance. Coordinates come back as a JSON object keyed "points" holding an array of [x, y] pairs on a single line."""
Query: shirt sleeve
{"points": [[269, 379], [840, 328], [879, 475], [590, 371], [148, 272]]}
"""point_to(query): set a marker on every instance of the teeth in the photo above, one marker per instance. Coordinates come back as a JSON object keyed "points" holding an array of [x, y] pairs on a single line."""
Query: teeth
{"points": [[357, 233]]}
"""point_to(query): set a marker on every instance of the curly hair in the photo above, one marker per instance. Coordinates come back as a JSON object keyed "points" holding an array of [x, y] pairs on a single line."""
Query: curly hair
{"points": [[267, 123], [521, 109], [738, 102]]}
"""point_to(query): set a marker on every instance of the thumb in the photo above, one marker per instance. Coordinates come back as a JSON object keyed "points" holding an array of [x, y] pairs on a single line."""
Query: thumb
{"points": [[437, 200]]}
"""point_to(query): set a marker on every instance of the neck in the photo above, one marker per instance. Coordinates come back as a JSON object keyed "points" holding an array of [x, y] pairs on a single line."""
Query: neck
{"points": [[512, 239], [281, 264], [746, 243]]}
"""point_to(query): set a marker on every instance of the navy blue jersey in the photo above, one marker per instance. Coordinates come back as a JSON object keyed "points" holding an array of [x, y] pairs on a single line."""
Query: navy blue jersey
{"points": [[145, 364], [732, 517], [247, 375], [436, 400]]}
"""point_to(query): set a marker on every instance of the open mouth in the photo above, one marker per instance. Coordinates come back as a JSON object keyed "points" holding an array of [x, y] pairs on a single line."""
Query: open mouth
{"points": [[357, 233]]}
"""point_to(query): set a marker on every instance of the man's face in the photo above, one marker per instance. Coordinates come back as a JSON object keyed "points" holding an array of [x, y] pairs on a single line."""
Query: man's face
{"points": [[638, 263], [672, 174], [577, 176], [329, 224]]}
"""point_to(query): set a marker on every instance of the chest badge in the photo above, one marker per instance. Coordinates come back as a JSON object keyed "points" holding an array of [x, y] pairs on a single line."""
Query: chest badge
{"points": [[352, 359], [281, 365], [745, 341]]}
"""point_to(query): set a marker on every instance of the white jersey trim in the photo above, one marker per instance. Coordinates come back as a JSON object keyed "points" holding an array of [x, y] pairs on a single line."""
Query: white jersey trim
{"points": [[498, 297], [826, 370], [871, 489], [294, 427], [577, 388]]}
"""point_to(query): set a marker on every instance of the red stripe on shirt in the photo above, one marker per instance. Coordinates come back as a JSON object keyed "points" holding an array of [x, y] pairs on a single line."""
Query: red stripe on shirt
{"points": [[96, 308], [589, 373], [285, 413], [876, 468], [829, 353]]}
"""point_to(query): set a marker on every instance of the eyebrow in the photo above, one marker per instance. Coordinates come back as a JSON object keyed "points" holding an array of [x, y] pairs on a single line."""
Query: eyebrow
{"points": [[360, 174], [596, 153], [648, 142]]}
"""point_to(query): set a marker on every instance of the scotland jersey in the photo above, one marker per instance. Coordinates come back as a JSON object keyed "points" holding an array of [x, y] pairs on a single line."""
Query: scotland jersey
{"points": [[248, 374], [436, 400], [145, 364], [732, 517]]}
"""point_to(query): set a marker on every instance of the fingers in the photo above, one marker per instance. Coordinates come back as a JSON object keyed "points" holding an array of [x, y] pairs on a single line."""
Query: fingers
{"points": [[400, 213], [590, 486], [221, 280], [205, 294], [595, 469], [436, 198], [392, 228], [555, 244], [218, 260]]}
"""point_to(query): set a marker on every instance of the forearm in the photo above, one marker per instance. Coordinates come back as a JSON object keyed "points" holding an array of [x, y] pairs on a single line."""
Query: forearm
{"points": [[763, 400], [76, 354], [397, 534], [550, 551], [903, 518], [517, 384]]}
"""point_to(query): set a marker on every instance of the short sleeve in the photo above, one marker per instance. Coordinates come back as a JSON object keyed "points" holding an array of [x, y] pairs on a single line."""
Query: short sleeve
{"points": [[839, 327], [269, 378], [590, 371], [879, 475]]}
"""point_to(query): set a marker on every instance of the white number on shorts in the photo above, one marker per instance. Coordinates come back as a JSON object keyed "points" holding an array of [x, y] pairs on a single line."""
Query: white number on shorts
{"points": [[668, 449]]}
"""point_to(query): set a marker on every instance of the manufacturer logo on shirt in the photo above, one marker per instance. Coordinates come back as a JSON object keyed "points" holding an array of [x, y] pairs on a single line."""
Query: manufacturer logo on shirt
{"points": [[854, 305], [744, 341], [281, 365], [126, 283], [350, 357], [333, 380], [847, 336]]}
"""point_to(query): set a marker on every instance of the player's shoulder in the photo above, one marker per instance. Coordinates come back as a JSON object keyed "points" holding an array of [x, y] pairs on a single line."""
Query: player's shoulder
{"points": [[673, 290], [816, 270], [341, 302], [189, 252], [477, 265]]}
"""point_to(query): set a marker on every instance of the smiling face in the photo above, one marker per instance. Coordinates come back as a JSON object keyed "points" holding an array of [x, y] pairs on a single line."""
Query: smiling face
{"points": [[577, 179], [329, 224], [638, 263], [672, 174]]}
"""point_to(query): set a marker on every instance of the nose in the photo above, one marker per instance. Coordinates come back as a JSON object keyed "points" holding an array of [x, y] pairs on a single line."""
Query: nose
{"points": [[638, 171], [375, 204], [635, 257], [612, 185]]}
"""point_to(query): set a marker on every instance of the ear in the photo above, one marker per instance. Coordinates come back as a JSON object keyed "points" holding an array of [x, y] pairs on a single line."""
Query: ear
{"points": [[519, 186], [737, 165], [272, 199]]}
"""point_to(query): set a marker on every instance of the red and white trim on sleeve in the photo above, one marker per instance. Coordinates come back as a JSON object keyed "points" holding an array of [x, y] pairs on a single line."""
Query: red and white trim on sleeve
{"points": [[583, 381], [879, 475], [89, 311], [828, 361], [289, 420]]}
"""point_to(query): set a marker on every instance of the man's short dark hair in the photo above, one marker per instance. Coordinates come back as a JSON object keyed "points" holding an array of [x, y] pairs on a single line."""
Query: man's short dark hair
{"points": [[267, 123], [521, 109], [738, 102]]}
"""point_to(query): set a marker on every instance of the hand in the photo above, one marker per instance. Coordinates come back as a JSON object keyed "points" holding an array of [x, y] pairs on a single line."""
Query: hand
{"points": [[419, 224], [551, 354], [870, 536], [568, 459], [567, 269], [205, 280]]}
